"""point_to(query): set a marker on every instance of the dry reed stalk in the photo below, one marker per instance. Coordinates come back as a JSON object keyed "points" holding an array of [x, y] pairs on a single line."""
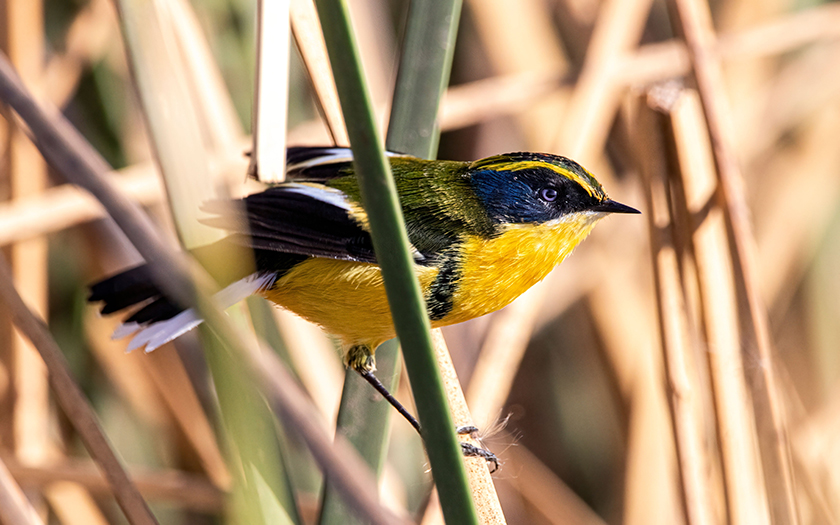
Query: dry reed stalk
{"points": [[27, 177], [663, 60], [547, 493], [481, 483], [593, 104], [73, 504], [696, 24], [187, 490], [473, 102], [684, 387], [501, 354], [379, 50], [72, 400], [15, 509], [306, 29], [628, 334], [747, 500], [820, 22], [484, 494], [271, 91], [528, 44], [745, 77]]}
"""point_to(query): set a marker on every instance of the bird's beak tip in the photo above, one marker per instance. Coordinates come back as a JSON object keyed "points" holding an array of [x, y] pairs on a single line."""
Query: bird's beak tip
{"points": [[611, 206]]}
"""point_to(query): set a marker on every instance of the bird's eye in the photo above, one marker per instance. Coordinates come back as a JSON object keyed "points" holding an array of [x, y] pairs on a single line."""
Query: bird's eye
{"points": [[548, 194]]}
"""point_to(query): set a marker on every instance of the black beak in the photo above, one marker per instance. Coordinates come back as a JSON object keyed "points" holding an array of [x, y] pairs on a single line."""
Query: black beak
{"points": [[610, 206]]}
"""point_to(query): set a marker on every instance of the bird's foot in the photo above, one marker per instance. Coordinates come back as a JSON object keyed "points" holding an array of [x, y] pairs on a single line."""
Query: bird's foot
{"points": [[470, 450]]}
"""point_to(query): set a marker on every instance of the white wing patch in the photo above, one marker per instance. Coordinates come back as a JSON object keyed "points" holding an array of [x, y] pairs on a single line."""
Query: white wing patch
{"points": [[331, 156], [321, 193], [153, 335]]}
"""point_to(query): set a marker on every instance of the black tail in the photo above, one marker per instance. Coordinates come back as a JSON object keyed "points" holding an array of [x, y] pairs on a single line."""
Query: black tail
{"points": [[228, 262], [131, 288]]}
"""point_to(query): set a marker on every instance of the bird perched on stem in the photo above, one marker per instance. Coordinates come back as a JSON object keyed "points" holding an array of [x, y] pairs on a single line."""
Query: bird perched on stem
{"points": [[481, 234]]}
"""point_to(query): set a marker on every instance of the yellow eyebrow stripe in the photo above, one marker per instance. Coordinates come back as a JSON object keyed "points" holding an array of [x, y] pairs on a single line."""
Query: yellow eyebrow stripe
{"points": [[537, 164]]}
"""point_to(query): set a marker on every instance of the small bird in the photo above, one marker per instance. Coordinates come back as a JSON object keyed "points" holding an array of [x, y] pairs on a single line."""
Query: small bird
{"points": [[481, 234]]}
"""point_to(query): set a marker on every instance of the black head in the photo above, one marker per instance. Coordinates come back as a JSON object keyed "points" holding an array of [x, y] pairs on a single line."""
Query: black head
{"points": [[537, 188]]}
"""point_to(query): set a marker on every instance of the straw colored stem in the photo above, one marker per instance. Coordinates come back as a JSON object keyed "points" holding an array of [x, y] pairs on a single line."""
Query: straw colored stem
{"points": [[310, 41], [481, 483], [698, 32], [746, 497], [683, 378], [73, 402], [25, 218], [268, 157]]}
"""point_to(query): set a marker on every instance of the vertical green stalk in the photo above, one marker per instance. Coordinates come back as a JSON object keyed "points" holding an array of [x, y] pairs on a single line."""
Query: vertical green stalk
{"points": [[391, 245], [425, 65], [421, 79]]}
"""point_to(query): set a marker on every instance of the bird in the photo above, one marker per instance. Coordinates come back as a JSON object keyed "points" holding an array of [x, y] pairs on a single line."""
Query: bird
{"points": [[481, 232]]}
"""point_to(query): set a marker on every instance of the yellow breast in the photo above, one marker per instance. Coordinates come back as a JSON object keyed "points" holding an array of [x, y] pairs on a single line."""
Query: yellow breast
{"points": [[496, 271]]}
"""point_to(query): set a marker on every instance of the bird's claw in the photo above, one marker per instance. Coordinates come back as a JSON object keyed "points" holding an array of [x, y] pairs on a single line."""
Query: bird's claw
{"points": [[470, 450]]}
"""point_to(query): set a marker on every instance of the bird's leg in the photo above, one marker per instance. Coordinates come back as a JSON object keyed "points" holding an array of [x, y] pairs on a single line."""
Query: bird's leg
{"points": [[377, 384], [360, 359]]}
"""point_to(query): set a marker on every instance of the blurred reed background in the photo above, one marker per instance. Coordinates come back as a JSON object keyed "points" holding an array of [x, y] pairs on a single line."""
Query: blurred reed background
{"points": [[680, 367]]}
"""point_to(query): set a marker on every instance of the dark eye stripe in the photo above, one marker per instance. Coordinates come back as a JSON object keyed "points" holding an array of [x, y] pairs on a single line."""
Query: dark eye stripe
{"points": [[548, 194]]}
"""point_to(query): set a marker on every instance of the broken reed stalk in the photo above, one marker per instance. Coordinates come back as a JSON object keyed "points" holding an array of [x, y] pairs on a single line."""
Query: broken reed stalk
{"points": [[73, 401], [679, 355], [306, 29], [698, 32]]}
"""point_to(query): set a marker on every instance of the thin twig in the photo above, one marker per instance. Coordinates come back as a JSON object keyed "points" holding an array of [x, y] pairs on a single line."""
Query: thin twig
{"points": [[696, 24]]}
